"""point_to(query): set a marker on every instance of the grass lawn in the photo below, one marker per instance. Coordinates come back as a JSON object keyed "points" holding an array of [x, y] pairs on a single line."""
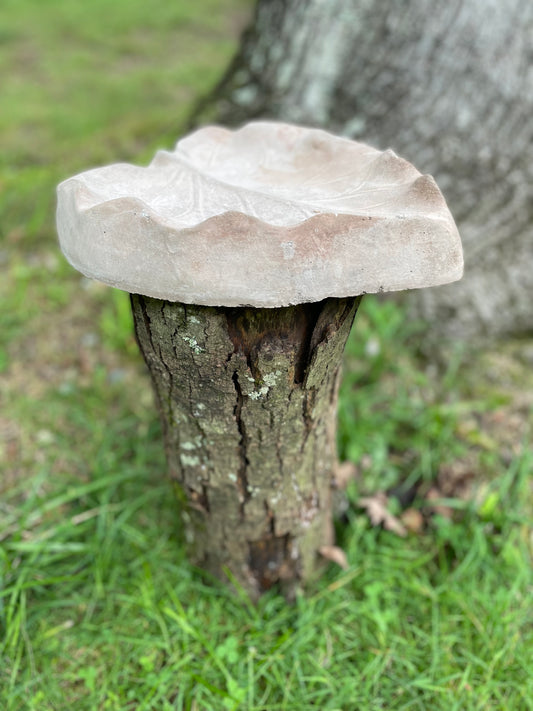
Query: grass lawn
{"points": [[99, 609]]}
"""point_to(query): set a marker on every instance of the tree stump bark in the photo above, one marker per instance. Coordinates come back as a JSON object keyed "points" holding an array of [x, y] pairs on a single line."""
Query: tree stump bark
{"points": [[247, 398]]}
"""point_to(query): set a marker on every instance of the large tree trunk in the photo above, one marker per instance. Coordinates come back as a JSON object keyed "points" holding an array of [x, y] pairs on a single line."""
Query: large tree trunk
{"points": [[448, 85], [248, 400]]}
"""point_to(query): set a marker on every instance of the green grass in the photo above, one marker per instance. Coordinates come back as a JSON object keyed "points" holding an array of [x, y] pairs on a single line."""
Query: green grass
{"points": [[102, 611], [99, 609]]}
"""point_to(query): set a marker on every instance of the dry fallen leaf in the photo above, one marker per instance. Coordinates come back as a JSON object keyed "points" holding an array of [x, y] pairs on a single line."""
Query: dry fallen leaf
{"points": [[335, 555], [413, 520], [379, 515], [344, 473]]}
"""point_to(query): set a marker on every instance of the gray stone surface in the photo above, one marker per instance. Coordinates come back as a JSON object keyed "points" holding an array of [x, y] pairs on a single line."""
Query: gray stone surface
{"points": [[269, 215]]}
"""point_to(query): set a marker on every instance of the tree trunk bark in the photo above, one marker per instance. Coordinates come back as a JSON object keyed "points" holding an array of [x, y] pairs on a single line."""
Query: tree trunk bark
{"points": [[247, 398], [447, 85]]}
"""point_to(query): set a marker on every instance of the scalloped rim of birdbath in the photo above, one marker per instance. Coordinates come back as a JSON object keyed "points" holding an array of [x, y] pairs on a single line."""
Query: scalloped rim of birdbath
{"points": [[268, 215]]}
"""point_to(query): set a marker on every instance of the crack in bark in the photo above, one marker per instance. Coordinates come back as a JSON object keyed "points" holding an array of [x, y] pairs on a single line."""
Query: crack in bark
{"points": [[270, 518], [242, 474], [308, 420], [311, 318], [135, 301], [168, 368], [138, 303]]}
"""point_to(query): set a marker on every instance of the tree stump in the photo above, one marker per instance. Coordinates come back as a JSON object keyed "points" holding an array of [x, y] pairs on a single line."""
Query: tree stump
{"points": [[247, 398]]}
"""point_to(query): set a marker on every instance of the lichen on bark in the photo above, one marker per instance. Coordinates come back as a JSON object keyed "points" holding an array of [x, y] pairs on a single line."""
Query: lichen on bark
{"points": [[247, 398]]}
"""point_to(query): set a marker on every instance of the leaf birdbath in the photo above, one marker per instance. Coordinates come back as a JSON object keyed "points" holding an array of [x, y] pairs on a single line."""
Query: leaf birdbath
{"points": [[246, 254]]}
